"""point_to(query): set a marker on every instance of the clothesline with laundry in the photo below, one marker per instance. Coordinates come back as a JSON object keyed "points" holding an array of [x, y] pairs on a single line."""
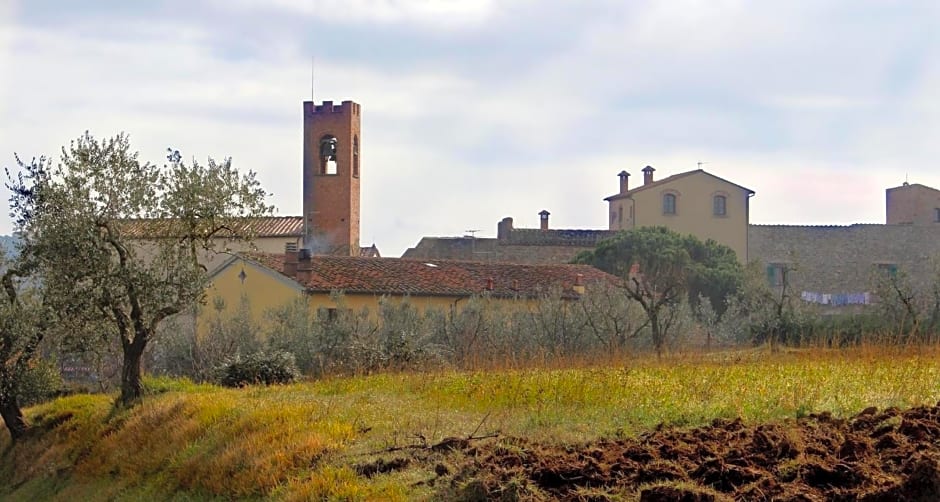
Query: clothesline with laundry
{"points": [[837, 299]]}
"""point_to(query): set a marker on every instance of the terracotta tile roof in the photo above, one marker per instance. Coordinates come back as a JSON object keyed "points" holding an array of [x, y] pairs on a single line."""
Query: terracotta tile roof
{"points": [[400, 276], [670, 179], [268, 226]]}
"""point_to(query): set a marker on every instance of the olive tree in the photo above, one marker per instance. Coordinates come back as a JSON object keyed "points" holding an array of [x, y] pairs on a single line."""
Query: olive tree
{"points": [[22, 328], [78, 219]]}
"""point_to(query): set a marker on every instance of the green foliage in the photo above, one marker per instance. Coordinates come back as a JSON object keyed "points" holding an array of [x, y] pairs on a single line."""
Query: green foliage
{"points": [[404, 335], [668, 260], [478, 331], [715, 272], [266, 368], [328, 341], [661, 270], [40, 382], [74, 217], [773, 314], [180, 352], [24, 317]]}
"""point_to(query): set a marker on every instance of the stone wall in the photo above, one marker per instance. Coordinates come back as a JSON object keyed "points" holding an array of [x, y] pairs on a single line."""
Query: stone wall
{"points": [[493, 250], [844, 259]]}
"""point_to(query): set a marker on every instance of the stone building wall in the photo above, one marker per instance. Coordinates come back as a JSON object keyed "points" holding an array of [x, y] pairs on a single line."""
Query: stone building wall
{"points": [[530, 246], [844, 259], [492, 250]]}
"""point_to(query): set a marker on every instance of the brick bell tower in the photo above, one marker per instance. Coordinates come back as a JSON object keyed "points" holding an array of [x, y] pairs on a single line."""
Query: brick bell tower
{"points": [[331, 178]]}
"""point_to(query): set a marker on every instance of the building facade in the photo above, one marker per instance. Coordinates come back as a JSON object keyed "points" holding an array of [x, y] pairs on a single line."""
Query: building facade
{"points": [[266, 281], [693, 202]]}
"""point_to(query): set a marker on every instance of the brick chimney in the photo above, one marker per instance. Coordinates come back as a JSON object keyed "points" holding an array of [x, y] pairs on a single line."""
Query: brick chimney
{"points": [[304, 267], [648, 175], [291, 258], [624, 182], [543, 217], [579, 284]]}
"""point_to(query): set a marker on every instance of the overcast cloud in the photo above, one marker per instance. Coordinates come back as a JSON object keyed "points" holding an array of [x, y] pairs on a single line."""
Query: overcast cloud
{"points": [[476, 110]]}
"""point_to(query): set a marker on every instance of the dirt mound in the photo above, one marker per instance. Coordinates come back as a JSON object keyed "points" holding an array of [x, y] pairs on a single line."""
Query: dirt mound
{"points": [[886, 455]]}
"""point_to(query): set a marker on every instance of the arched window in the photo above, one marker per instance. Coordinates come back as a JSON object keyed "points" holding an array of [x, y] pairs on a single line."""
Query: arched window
{"points": [[720, 205], [328, 154], [669, 203], [355, 166]]}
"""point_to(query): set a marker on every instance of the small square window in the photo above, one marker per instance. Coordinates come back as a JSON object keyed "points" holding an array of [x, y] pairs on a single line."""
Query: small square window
{"points": [[936, 214], [328, 314]]}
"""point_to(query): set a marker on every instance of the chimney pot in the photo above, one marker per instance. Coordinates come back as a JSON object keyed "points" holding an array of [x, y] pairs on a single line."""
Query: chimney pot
{"points": [[543, 217], [648, 175]]}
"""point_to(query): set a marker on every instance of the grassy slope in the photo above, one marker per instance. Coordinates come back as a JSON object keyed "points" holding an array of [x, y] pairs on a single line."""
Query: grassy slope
{"points": [[299, 442]]}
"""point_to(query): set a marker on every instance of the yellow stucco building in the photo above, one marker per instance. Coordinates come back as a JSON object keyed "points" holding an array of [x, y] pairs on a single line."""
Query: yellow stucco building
{"points": [[269, 281], [693, 202]]}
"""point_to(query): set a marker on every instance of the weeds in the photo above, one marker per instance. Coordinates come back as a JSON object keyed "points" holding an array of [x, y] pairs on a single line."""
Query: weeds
{"points": [[301, 441]]}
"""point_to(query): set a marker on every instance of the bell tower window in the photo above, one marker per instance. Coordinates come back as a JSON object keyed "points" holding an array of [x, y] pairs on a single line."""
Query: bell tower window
{"points": [[355, 164], [328, 154]]}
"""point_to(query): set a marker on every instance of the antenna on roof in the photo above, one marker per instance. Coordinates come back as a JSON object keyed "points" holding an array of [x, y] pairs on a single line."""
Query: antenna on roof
{"points": [[313, 63], [472, 232], [700, 164]]}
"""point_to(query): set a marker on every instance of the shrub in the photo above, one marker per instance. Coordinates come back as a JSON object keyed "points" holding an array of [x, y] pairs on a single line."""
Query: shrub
{"points": [[40, 383], [266, 368]]}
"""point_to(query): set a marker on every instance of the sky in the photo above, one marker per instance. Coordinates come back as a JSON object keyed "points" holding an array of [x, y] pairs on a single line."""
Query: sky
{"points": [[477, 110]]}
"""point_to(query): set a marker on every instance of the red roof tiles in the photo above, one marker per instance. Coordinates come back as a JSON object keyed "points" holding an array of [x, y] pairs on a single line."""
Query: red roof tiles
{"points": [[436, 277], [267, 226]]}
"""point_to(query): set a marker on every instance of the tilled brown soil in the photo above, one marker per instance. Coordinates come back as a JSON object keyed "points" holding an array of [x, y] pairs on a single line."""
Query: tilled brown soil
{"points": [[886, 455]]}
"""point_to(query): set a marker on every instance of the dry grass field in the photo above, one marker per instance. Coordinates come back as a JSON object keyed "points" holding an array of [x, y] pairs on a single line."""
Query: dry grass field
{"points": [[526, 432]]}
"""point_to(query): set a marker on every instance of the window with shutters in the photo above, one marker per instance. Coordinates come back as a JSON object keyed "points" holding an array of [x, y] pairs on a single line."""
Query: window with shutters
{"points": [[888, 269], [777, 274], [669, 203], [720, 205]]}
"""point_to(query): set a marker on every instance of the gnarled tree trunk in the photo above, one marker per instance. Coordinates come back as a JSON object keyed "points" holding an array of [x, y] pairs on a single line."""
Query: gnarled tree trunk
{"points": [[13, 417], [131, 387]]}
